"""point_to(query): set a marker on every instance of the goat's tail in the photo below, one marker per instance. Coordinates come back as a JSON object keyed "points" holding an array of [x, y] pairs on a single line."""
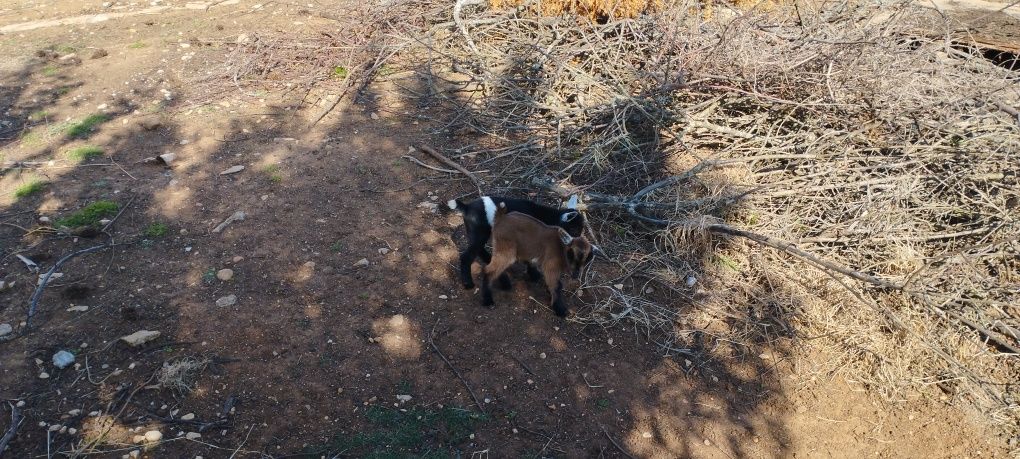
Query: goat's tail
{"points": [[501, 211], [455, 205]]}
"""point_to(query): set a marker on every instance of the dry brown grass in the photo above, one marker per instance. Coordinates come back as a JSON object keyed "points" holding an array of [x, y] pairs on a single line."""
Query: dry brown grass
{"points": [[592, 9]]}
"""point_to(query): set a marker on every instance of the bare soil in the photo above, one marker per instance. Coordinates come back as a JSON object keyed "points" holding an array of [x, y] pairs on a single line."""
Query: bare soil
{"points": [[314, 354]]}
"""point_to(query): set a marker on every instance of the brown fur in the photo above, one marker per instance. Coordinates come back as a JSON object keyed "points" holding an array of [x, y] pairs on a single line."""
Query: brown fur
{"points": [[520, 237]]}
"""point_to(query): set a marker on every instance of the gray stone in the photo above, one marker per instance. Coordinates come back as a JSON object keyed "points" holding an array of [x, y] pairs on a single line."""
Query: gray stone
{"points": [[62, 359], [140, 337], [228, 300]]}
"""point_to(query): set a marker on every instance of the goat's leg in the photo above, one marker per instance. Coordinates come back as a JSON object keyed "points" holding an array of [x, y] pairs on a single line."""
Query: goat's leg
{"points": [[503, 281], [493, 270], [556, 295], [534, 274], [475, 249]]}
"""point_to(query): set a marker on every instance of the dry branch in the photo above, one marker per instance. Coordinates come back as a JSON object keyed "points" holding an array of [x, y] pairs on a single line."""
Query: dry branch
{"points": [[443, 159]]}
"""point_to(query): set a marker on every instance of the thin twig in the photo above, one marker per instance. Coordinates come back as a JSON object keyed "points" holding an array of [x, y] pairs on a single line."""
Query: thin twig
{"points": [[12, 430], [452, 368], [617, 445], [46, 279], [435, 154]]}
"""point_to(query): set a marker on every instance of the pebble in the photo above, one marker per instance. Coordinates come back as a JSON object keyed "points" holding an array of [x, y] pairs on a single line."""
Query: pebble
{"points": [[443, 297], [708, 442], [237, 259], [20, 403], [404, 398], [140, 337], [362, 262], [188, 417], [102, 107], [153, 436], [6, 329], [192, 435], [232, 170], [374, 116], [62, 359], [55, 427], [646, 434], [72, 431], [649, 290], [42, 423], [44, 375], [228, 300], [93, 414], [100, 53], [384, 251], [44, 219], [225, 274], [618, 286], [542, 355], [74, 412], [77, 309]]}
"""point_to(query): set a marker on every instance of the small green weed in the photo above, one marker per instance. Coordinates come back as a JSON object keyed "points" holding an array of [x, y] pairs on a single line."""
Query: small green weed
{"points": [[602, 403], [273, 171], [90, 215], [32, 139], [336, 247], [50, 70], [728, 262], [100, 183], [85, 153], [63, 90], [156, 230], [415, 432], [210, 276], [137, 45], [30, 188], [340, 72], [85, 127]]}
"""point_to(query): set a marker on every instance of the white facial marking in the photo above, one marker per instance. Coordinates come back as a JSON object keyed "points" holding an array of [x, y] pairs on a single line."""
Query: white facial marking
{"points": [[490, 210]]}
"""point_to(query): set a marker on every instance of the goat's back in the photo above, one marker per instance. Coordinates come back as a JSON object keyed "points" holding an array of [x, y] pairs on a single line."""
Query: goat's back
{"points": [[529, 237]]}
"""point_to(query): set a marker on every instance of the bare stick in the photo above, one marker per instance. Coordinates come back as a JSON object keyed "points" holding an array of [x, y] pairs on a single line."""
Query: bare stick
{"points": [[451, 163], [455, 372], [617, 445], [15, 423], [46, 279]]}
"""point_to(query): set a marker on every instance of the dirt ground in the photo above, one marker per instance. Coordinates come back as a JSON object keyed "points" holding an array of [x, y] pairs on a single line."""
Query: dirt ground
{"points": [[321, 353]]}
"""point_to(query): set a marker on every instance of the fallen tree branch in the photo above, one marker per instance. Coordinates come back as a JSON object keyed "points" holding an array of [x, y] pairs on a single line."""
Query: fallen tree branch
{"points": [[449, 162], [12, 430]]}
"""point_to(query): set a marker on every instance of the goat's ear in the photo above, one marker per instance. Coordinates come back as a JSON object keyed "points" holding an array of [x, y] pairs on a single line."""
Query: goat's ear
{"points": [[572, 203], [569, 216], [565, 237]]}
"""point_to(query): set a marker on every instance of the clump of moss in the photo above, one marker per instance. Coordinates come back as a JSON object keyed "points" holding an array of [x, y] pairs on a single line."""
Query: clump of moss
{"points": [[90, 215]]}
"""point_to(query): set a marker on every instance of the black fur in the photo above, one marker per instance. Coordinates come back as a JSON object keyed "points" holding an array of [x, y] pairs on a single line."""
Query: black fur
{"points": [[479, 231]]}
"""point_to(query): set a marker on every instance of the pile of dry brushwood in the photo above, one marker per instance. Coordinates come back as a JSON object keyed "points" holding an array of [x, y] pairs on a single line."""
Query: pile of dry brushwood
{"points": [[760, 177]]}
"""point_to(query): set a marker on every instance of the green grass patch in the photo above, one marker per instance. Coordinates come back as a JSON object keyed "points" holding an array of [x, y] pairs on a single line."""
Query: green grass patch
{"points": [[156, 230], [84, 153], [339, 72], [50, 70], [90, 215], [273, 171], [417, 432], [85, 127], [30, 188], [39, 115], [65, 49], [137, 45], [32, 139]]}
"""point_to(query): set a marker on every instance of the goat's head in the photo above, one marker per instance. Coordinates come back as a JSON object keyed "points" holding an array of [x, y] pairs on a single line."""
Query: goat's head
{"points": [[578, 253]]}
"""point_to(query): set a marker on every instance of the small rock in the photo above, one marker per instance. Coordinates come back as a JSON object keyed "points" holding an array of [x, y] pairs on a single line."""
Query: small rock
{"points": [[62, 359], [443, 297], [404, 398], [429, 205], [6, 329], [618, 286], [228, 300], [362, 262], [55, 427], [374, 116], [238, 216], [68, 57], [102, 107], [53, 277], [649, 290], [100, 53], [542, 355], [646, 434], [72, 431], [243, 39], [93, 414], [188, 417], [225, 274], [150, 123], [691, 280], [708, 442], [77, 309], [237, 259], [44, 375], [74, 412], [140, 337], [20, 404], [232, 170], [192, 435], [384, 251], [153, 436], [44, 219], [134, 454]]}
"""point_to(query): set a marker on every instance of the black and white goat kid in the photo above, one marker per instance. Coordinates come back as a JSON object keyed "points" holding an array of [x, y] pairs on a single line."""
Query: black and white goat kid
{"points": [[480, 214]]}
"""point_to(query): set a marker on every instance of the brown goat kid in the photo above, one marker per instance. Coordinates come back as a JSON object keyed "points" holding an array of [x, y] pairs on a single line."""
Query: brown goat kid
{"points": [[521, 237]]}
